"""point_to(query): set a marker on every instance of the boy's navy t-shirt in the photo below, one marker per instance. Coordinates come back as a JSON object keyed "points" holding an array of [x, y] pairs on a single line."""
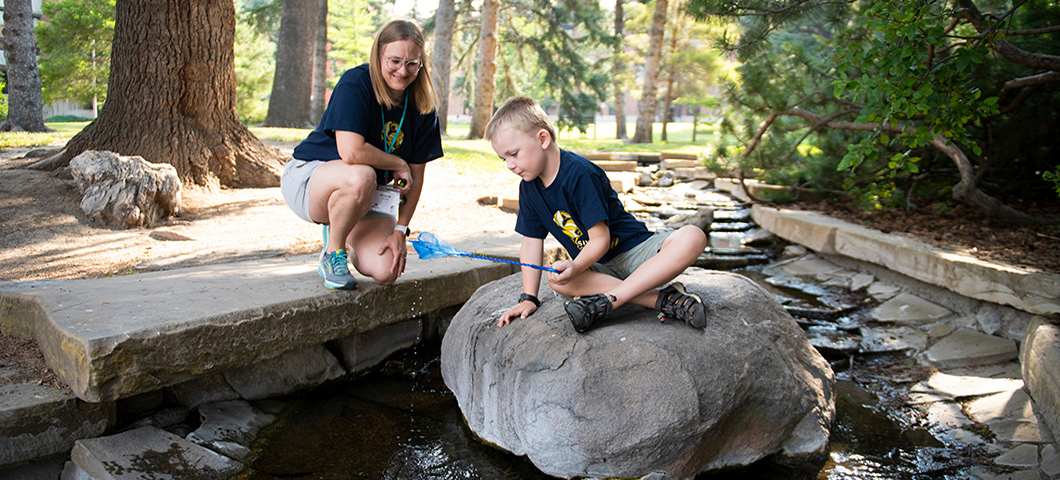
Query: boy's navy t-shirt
{"points": [[579, 197], [353, 108]]}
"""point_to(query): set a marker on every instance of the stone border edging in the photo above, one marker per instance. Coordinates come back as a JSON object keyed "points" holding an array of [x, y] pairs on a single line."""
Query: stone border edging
{"points": [[1033, 292]]}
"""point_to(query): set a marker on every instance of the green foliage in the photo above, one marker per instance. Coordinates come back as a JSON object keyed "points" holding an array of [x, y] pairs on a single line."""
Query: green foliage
{"points": [[3, 101], [558, 42], [351, 24], [254, 65], [899, 81], [75, 45], [891, 77], [1054, 177]]}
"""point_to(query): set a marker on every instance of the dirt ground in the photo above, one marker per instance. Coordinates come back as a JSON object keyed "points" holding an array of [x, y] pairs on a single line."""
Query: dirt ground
{"points": [[44, 235]]}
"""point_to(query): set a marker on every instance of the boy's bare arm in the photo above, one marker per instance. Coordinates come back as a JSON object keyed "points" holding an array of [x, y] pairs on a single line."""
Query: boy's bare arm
{"points": [[531, 251], [592, 252]]}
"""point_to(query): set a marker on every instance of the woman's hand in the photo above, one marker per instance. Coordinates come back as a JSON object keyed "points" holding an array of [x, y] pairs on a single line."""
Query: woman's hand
{"points": [[566, 272], [522, 310], [403, 178], [396, 243]]}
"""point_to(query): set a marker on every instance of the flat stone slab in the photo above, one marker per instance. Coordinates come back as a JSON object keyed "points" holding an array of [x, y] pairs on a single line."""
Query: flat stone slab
{"points": [[908, 308], [966, 347], [115, 337], [1022, 288], [1023, 456], [36, 421], [958, 386], [150, 452]]}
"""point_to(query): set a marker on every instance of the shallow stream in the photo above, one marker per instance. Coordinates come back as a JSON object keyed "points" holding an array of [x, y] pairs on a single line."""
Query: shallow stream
{"points": [[402, 422]]}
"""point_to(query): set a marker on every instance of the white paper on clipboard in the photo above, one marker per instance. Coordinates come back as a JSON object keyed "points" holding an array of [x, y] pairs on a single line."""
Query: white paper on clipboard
{"points": [[385, 200]]}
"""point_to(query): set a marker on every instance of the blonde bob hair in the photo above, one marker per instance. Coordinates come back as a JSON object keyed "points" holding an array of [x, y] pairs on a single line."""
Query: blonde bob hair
{"points": [[521, 113], [422, 87]]}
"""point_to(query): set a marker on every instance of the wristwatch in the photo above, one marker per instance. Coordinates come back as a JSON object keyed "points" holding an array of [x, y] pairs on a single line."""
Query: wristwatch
{"points": [[402, 229], [526, 296]]}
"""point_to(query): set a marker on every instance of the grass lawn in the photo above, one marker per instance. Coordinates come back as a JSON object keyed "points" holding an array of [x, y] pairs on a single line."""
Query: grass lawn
{"points": [[474, 154]]}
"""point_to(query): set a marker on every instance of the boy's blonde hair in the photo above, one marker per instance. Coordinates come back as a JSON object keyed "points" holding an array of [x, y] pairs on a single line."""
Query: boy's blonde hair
{"points": [[523, 114], [393, 31]]}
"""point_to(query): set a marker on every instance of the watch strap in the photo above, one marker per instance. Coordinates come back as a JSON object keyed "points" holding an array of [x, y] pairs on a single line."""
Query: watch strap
{"points": [[526, 296]]}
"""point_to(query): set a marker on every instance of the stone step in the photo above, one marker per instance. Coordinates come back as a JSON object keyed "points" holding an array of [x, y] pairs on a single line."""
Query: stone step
{"points": [[1023, 289], [115, 337]]}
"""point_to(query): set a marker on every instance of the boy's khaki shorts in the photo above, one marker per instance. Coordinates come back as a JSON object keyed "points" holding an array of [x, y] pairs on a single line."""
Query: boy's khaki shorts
{"points": [[625, 263]]}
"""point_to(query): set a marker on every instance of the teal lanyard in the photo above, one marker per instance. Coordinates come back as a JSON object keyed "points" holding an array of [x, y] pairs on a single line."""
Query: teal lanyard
{"points": [[390, 146]]}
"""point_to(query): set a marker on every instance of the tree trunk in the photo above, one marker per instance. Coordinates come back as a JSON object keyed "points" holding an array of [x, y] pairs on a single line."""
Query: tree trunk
{"points": [[671, 75], [487, 68], [444, 22], [619, 69], [172, 96], [317, 102], [25, 110], [292, 84], [646, 112]]}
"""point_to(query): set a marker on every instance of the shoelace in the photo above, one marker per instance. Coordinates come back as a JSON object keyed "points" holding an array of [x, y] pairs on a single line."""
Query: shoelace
{"points": [[338, 264]]}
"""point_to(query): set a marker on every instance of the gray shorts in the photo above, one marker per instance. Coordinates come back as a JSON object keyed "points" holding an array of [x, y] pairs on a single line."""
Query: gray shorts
{"points": [[625, 263], [294, 186]]}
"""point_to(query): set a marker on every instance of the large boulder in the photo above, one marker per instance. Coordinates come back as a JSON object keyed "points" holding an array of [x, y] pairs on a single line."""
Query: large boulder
{"points": [[632, 396], [124, 192]]}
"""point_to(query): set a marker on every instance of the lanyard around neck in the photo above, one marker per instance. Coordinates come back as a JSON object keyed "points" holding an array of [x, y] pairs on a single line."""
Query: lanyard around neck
{"points": [[390, 145]]}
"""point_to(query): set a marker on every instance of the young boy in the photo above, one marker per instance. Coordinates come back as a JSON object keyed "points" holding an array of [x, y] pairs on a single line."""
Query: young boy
{"points": [[617, 260]]}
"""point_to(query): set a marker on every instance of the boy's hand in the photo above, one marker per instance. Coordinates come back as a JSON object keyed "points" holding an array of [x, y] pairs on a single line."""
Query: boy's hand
{"points": [[566, 272], [522, 310]]}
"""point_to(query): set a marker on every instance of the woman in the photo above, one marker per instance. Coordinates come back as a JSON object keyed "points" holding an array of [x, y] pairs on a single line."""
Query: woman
{"points": [[380, 125]]}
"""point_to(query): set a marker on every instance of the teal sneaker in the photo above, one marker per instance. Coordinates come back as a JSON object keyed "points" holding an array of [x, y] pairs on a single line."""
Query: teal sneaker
{"points": [[335, 272]]}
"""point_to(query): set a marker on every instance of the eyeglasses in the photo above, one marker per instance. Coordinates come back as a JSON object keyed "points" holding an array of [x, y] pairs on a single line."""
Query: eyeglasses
{"points": [[411, 66]]}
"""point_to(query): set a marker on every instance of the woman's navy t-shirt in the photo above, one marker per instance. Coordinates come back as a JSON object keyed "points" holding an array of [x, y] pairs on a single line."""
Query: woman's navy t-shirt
{"points": [[580, 197], [353, 108]]}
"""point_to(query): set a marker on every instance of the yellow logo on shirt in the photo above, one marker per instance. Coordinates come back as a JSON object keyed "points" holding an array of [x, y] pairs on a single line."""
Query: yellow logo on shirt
{"points": [[389, 130], [566, 222]]}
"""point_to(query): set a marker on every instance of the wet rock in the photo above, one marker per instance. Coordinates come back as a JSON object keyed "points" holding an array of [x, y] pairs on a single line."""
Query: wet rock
{"points": [[830, 340], [909, 309], [966, 347], [701, 218], [633, 396], [758, 237], [365, 350], [1040, 360], [952, 386], [229, 428], [125, 192], [150, 452], [891, 339], [37, 421], [285, 374]]}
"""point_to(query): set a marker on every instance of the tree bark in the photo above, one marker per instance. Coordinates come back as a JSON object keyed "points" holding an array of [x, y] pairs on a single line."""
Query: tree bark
{"points": [[671, 76], [487, 69], [646, 112], [317, 100], [444, 22], [292, 84], [171, 96], [619, 69], [25, 110]]}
